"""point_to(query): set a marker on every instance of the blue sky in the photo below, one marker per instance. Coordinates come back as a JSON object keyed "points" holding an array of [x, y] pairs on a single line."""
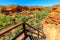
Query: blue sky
{"points": [[30, 2]]}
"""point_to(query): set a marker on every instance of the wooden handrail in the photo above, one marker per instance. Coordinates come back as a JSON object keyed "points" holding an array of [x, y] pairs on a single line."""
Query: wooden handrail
{"points": [[33, 28], [9, 28], [33, 32], [15, 26]]}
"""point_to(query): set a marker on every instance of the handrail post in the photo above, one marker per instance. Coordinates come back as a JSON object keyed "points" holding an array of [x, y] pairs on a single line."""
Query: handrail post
{"points": [[38, 33], [24, 28]]}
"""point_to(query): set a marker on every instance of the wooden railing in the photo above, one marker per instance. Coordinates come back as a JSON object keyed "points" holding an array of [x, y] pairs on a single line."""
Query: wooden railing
{"points": [[24, 29], [9, 29]]}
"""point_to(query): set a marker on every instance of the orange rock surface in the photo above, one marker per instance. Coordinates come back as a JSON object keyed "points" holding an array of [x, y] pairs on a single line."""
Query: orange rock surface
{"points": [[52, 31], [53, 17]]}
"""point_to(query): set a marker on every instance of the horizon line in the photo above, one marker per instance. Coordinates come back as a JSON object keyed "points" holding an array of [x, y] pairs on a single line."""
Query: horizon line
{"points": [[27, 5]]}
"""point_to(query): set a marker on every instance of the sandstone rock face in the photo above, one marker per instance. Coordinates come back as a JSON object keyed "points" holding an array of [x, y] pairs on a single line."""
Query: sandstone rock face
{"points": [[55, 7], [20, 8], [11, 9], [52, 31], [53, 17], [32, 8]]}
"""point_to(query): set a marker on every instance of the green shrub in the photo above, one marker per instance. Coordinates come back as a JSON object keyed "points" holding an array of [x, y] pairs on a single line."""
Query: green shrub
{"points": [[5, 21], [41, 14], [21, 19]]}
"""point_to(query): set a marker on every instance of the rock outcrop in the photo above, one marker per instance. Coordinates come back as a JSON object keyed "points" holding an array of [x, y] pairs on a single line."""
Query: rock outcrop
{"points": [[18, 8], [51, 25], [11, 9], [54, 7]]}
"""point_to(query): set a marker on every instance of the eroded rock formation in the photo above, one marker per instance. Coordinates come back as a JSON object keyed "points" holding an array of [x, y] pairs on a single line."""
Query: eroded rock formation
{"points": [[52, 30], [54, 7], [17, 8]]}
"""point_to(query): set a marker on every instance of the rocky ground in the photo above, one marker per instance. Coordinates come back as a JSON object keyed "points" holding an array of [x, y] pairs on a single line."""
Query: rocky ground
{"points": [[51, 24]]}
